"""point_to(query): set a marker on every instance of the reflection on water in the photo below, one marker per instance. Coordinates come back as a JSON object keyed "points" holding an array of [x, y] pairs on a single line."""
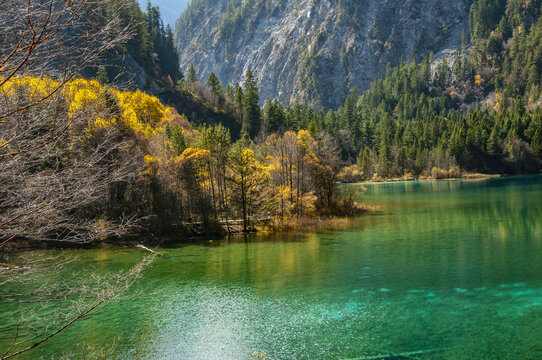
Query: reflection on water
{"points": [[448, 269]]}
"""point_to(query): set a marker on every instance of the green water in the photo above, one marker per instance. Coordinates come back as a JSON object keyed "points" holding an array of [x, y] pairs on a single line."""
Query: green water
{"points": [[451, 268]]}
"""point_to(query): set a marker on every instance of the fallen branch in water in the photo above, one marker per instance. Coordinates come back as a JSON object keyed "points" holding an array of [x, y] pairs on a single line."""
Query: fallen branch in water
{"points": [[149, 250]]}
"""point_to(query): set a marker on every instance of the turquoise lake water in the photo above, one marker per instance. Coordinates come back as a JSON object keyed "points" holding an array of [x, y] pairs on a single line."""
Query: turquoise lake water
{"points": [[445, 270]]}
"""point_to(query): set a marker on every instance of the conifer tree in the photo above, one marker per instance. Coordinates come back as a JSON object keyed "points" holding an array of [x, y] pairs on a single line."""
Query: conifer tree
{"points": [[493, 146], [176, 138], [192, 76], [365, 163], [251, 108], [230, 92], [536, 146], [101, 75], [213, 83]]}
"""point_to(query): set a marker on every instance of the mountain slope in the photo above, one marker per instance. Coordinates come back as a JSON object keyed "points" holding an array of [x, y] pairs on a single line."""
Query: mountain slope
{"points": [[315, 50]]}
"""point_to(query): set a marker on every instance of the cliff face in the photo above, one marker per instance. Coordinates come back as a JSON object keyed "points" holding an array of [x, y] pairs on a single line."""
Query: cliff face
{"points": [[315, 50]]}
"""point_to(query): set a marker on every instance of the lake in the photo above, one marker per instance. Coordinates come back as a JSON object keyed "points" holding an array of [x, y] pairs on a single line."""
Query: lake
{"points": [[446, 270]]}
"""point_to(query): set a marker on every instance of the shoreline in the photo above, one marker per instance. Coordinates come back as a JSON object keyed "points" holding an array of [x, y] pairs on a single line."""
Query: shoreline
{"points": [[306, 223], [184, 236], [470, 176]]}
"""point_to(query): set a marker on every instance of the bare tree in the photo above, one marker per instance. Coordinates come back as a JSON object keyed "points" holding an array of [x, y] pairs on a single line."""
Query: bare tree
{"points": [[55, 181], [57, 176]]}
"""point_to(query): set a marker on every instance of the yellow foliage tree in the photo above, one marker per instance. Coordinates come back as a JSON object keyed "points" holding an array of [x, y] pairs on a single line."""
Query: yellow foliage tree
{"points": [[249, 180], [140, 111], [35, 88], [137, 110]]}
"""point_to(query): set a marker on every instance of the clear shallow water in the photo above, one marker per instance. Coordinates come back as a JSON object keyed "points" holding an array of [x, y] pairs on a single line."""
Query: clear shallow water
{"points": [[452, 269]]}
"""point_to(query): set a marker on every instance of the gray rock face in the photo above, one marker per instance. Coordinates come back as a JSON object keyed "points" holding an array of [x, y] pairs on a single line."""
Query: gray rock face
{"points": [[318, 50]]}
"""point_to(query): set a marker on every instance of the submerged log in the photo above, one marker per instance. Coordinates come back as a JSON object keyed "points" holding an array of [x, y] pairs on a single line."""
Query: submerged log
{"points": [[8, 265], [149, 250]]}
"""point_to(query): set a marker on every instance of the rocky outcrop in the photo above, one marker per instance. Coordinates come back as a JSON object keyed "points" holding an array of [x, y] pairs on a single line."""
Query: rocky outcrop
{"points": [[315, 50]]}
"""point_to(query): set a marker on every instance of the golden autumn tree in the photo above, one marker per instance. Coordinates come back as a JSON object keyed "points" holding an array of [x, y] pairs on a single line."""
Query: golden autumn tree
{"points": [[249, 179], [193, 167], [285, 169]]}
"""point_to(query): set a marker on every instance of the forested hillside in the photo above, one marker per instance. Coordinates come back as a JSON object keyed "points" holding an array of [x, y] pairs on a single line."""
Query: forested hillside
{"points": [[148, 60], [476, 110], [148, 55]]}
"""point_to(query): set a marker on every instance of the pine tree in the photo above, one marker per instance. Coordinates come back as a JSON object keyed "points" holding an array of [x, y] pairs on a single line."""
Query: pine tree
{"points": [[176, 138], [365, 163], [349, 109], [239, 100], [457, 66], [170, 56], [213, 83], [274, 116], [536, 146], [493, 146], [192, 76], [442, 73], [251, 108], [384, 159], [402, 159], [313, 128], [230, 92]]}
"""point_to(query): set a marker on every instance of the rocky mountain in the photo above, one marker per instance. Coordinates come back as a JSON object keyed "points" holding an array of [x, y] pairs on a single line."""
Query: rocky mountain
{"points": [[314, 50]]}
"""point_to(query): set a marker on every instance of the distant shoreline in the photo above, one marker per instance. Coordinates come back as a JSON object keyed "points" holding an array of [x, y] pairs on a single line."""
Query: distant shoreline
{"points": [[470, 176]]}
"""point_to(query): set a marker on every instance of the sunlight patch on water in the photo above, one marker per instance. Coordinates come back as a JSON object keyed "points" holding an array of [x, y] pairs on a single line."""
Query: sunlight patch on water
{"points": [[232, 323]]}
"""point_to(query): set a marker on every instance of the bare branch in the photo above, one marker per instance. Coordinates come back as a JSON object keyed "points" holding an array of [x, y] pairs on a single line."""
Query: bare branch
{"points": [[80, 302]]}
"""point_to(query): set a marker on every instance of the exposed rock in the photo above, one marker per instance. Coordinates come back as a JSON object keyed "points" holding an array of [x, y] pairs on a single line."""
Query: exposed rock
{"points": [[134, 75], [318, 50]]}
